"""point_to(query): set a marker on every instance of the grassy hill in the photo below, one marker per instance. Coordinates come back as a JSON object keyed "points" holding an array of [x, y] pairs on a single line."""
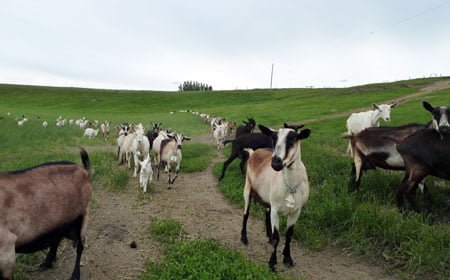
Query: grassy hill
{"points": [[366, 222]]}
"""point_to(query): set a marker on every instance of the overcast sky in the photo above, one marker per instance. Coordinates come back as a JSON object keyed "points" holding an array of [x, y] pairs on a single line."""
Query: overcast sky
{"points": [[227, 44]]}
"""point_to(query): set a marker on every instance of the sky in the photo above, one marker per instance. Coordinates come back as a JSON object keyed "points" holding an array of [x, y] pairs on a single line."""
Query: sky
{"points": [[155, 45]]}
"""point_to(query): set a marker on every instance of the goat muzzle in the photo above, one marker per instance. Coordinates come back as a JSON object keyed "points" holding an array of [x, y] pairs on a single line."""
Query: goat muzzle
{"points": [[277, 163]]}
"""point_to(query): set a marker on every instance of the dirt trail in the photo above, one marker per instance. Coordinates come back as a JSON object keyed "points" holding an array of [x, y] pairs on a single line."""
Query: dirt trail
{"points": [[117, 219]]}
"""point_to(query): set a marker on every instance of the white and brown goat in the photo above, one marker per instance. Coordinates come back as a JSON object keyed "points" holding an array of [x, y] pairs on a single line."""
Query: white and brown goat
{"points": [[277, 179], [376, 147], [39, 207], [170, 154]]}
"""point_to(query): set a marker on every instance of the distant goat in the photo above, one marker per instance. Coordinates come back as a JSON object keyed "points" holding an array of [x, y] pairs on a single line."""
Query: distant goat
{"points": [[90, 133], [44, 123], [105, 130], [41, 206], [277, 179]]}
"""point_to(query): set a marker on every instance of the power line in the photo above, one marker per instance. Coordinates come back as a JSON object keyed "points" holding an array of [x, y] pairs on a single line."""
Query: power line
{"points": [[410, 17]]}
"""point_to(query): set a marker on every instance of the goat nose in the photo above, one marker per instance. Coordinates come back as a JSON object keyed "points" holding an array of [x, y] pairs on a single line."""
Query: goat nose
{"points": [[277, 163]]}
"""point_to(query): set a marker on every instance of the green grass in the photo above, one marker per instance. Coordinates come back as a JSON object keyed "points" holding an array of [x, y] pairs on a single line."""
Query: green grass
{"points": [[199, 259], [196, 157], [365, 223], [165, 231]]}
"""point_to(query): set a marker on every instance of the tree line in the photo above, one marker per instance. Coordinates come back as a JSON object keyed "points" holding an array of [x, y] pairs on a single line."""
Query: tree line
{"points": [[194, 86]]}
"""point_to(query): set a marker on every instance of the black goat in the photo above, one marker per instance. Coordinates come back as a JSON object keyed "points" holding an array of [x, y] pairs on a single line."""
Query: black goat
{"points": [[249, 140], [426, 152], [248, 127]]}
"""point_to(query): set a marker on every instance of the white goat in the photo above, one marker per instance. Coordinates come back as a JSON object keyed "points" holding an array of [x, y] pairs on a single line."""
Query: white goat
{"points": [[44, 123], [90, 132], [146, 173], [125, 149], [105, 130], [357, 122], [139, 147], [278, 178], [219, 134], [170, 154]]}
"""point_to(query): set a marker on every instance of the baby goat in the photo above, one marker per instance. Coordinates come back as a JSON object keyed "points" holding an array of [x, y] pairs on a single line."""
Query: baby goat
{"points": [[40, 206], [146, 173], [277, 179]]}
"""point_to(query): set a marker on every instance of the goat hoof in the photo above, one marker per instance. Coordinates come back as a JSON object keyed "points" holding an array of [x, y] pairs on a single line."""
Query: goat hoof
{"points": [[244, 240], [288, 262]]}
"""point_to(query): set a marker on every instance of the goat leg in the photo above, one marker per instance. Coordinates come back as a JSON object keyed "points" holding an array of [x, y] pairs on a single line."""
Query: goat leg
{"points": [[51, 256]]}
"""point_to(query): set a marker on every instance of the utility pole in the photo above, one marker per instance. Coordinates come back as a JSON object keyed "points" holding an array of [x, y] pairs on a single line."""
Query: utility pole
{"points": [[271, 77]]}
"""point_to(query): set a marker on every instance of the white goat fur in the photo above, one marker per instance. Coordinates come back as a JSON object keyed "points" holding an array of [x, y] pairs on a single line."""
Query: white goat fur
{"points": [[357, 122], [90, 132], [146, 173], [140, 147]]}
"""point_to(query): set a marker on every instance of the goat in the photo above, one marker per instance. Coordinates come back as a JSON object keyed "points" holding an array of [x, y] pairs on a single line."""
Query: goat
{"points": [[105, 130], [277, 179], [90, 132], [170, 153], [153, 133], [156, 146], [373, 147], [139, 147], [425, 152], [44, 123], [40, 206], [126, 149], [122, 131], [219, 134], [357, 122], [249, 140], [146, 172], [248, 127]]}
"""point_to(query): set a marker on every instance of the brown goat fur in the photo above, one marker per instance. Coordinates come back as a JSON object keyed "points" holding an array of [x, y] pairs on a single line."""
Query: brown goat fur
{"points": [[40, 206]]}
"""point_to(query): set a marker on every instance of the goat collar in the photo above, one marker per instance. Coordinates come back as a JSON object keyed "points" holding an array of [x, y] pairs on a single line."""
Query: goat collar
{"points": [[291, 188]]}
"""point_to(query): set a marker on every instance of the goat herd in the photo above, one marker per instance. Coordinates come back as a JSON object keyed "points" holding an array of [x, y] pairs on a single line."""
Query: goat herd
{"points": [[44, 204]]}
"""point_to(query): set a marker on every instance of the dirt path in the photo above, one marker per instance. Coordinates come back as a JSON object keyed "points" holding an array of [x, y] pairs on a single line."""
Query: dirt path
{"points": [[440, 85], [117, 219]]}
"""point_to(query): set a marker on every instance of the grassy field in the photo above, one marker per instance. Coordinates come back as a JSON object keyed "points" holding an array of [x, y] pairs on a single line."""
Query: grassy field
{"points": [[365, 223]]}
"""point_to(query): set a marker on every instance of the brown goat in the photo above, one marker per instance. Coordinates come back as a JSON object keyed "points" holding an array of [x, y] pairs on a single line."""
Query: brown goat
{"points": [[41, 205]]}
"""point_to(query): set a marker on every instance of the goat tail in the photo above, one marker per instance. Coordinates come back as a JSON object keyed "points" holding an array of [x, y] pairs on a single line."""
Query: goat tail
{"points": [[227, 141], [250, 151], [85, 159]]}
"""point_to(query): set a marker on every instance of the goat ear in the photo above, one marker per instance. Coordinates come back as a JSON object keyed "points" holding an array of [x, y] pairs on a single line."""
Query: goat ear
{"points": [[285, 125], [427, 106], [265, 130], [186, 138], [304, 134], [375, 107], [394, 104]]}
